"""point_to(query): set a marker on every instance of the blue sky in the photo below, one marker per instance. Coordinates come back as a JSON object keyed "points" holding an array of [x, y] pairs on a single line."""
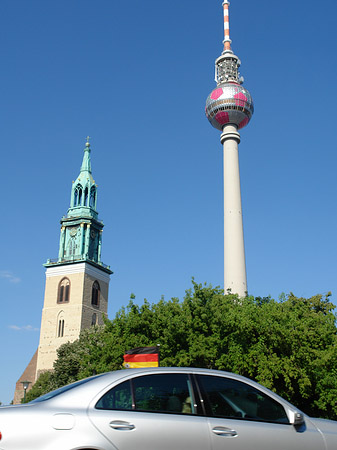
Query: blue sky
{"points": [[135, 76]]}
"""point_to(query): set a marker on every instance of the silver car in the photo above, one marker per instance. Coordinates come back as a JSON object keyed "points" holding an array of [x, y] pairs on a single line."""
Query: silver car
{"points": [[163, 409]]}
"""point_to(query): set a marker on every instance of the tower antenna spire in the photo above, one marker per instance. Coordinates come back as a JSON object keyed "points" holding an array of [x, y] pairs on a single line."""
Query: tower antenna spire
{"points": [[227, 41]]}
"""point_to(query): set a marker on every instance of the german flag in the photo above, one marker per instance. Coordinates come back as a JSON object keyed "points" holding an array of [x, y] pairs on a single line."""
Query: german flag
{"points": [[141, 357]]}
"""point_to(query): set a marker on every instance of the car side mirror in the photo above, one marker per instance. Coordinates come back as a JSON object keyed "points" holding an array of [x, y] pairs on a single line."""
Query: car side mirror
{"points": [[296, 418]]}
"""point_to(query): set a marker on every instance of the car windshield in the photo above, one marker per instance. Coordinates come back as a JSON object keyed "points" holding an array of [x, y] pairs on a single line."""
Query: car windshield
{"points": [[63, 389]]}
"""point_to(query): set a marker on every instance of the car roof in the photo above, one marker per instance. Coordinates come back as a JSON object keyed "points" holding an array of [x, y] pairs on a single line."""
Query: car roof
{"points": [[85, 390]]}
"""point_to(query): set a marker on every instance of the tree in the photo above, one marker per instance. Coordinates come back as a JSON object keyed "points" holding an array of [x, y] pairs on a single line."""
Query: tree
{"points": [[287, 345], [42, 385]]}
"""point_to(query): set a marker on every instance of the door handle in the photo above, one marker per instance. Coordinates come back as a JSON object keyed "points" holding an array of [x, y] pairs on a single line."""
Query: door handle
{"points": [[223, 431], [121, 425]]}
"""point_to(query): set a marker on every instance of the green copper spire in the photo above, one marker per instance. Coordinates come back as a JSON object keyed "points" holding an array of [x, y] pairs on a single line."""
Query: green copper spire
{"points": [[81, 231], [83, 194], [86, 164]]}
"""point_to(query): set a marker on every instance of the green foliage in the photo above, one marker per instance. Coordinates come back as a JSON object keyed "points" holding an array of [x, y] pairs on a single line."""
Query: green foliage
{"points": [[287, 345], [43, 385]]}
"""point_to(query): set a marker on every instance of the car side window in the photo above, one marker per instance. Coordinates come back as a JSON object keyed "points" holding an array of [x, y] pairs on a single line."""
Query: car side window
{"points": [[118, 398], [166, 393], [234, 399]]}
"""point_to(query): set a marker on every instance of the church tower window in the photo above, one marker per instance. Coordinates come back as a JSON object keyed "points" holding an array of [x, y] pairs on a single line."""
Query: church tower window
{"points": [[63, 291], [92, 197], [72, 247], [95, 294], [60, 331], [94, 319], [86, 197], [78, 195]]}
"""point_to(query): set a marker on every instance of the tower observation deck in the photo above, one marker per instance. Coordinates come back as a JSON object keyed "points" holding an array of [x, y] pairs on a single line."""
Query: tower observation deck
{"points": [[229, 107]]}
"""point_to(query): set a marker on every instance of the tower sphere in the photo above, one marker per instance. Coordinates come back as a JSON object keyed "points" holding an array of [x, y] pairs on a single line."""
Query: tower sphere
{"points": [[229, 103]]}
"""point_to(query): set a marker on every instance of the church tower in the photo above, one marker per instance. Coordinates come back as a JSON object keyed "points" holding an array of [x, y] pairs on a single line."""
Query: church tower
{"points": [[77, 282]]}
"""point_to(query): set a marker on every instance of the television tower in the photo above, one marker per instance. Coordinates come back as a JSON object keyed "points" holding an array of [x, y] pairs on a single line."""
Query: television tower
{"points": [[229, 107]]}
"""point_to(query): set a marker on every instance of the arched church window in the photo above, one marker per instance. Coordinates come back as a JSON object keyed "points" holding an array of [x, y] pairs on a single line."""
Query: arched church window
{"points": [[60, 330], [75, 197], [92, 197], [78, 195], [63, 291], [72, 247], [94, 319], [95, 294], [86, 197]]}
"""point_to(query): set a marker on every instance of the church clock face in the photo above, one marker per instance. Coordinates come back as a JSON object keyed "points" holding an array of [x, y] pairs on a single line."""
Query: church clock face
{"points": [[73, 231], [92, 234]]}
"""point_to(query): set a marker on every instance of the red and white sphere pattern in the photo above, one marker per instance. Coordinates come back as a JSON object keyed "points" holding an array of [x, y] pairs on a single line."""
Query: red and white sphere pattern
{"points": [[229, 103]]}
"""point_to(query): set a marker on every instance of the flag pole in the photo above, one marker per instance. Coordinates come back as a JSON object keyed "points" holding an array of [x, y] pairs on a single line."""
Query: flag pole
{"points": [[158, 345]]}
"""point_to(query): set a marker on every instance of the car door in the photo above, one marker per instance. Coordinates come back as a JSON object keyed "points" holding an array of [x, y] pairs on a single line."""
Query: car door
{"points": [[152, 412], [241, 417]]}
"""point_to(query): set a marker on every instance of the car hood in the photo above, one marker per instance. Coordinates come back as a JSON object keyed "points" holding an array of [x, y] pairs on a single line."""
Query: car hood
{"points": [[328, 428]]}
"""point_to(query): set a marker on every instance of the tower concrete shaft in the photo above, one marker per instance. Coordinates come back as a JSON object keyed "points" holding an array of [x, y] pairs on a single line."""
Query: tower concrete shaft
{"points": [[235, 278]]}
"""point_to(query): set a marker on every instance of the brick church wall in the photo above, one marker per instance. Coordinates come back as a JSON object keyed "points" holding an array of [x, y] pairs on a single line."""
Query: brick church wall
{"points": [[28, 375]]}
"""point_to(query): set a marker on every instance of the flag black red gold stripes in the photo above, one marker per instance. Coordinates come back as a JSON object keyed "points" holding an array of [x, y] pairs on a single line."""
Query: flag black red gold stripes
{"points": [[141, 357]]}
